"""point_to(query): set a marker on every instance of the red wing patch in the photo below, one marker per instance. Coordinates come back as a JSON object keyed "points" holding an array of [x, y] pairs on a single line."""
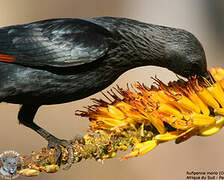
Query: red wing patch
{"points": [[7, 58]]}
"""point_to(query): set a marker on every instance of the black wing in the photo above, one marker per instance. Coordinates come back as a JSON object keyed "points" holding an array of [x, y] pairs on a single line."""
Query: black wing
{"points": [[54, 42]]}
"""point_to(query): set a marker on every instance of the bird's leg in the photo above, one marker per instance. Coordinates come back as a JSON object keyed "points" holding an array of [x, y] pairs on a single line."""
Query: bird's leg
{"points": [[26, 116]]}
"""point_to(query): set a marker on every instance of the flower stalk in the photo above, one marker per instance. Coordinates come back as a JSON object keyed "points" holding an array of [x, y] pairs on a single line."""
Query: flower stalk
{"points": [[141, 118]]}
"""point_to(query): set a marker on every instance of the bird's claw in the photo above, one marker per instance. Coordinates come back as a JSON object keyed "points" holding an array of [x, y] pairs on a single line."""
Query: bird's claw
{"points": [[56, 143]]}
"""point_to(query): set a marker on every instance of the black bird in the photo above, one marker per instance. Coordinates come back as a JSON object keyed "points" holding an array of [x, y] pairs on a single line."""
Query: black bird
{"points": [[61, 60]]}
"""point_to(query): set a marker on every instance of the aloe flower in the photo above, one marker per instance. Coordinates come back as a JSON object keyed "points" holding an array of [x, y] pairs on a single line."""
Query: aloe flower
{"points": [[142, 117]]}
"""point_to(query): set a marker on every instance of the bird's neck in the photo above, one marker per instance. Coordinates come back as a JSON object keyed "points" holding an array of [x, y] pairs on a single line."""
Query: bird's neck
{"points": [[139, 44]]}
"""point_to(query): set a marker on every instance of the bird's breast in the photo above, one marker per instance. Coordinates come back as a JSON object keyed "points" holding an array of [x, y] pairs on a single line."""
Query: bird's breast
{"points": [[24, 85]]}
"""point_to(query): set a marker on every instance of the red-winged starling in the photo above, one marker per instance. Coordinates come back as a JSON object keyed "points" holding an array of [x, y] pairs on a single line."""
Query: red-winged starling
{"points": [[62, 60]]}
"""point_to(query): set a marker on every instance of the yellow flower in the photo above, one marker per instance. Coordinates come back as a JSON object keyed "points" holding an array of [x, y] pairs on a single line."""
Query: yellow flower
{"points": [[176, 111]]}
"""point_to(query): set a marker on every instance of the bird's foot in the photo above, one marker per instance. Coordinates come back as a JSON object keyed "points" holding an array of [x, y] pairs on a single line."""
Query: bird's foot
{"points": [[57, 144]]}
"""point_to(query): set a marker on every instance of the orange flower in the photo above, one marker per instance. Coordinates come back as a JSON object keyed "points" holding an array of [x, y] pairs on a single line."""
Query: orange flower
{"points": [[176, 111]]}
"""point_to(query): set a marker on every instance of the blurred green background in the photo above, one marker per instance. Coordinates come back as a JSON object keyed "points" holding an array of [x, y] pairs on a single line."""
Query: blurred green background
{"points": [[204, 18]]}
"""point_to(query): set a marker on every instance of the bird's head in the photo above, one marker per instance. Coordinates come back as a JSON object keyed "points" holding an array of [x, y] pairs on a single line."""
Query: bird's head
{"points": [[185, 55]]}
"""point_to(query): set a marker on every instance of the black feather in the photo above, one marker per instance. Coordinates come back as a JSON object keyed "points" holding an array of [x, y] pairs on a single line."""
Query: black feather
{"points": [[62, 43]]}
